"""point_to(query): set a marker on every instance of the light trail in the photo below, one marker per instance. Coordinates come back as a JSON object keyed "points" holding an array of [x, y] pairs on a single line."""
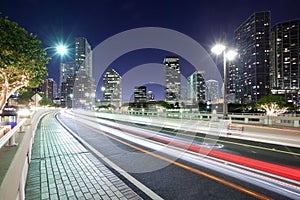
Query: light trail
{"points": [[275, 185]]}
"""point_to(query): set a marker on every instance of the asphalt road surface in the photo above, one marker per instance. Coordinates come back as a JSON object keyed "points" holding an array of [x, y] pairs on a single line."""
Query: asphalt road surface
{"points": [[177, 175]]}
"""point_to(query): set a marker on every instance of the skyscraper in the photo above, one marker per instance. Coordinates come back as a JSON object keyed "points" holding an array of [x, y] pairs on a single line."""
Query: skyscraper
{"points": [[140, 94], [83, 56], [196, 87], [84, 86], [66, 70], [112, 88], [212, 90], [285, 61], [252, 41], [49, 88], [173, 84]]}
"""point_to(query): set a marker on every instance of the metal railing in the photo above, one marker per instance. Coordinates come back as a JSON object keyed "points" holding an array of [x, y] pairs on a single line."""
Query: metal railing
{"points": [[13, 185], [10, 136]]}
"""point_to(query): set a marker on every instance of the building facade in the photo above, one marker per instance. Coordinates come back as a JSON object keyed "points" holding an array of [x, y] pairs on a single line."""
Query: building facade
{"points": [[252, 74], [66, 70], [112, 88], [196, 87], [84, 93], [49, 88], [212, 90], [285, 60], [173, 84], [67, 92], [83, 56], [140, 94]]}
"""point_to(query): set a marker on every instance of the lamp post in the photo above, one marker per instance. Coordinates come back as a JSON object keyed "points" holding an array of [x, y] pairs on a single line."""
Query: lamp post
{"points": [[60, 49], [229, 55]]}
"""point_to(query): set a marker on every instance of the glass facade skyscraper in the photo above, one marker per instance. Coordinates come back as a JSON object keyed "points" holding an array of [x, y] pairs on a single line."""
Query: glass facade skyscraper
{"points": [[173, 84], [252, 76], [212, 90], [84, 85], [285, 60], [112, 88], [140, 94], [196, 87]]}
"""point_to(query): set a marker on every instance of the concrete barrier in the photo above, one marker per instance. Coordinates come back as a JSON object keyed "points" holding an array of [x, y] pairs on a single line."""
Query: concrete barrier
{"points": [[14, 178]]}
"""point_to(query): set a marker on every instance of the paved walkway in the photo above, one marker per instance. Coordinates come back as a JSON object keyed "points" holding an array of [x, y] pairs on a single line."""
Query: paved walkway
{"points": [[61, 168]]}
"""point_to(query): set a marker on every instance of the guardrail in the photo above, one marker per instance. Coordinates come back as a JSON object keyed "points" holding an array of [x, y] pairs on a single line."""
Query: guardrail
{"points": [[14, 178], [242, 118], [10, 136]]}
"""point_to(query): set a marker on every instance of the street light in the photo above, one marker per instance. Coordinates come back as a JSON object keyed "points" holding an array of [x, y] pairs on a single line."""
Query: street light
{"points": [[229, 55], [60, 49]]}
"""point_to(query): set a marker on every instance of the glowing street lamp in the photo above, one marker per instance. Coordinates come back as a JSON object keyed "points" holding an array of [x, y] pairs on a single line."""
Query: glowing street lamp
{"points": [[229, 55], [60, 49]]}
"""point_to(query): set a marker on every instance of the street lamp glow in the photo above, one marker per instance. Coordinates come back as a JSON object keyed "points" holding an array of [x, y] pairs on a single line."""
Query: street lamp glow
{"points": [[218, 49], [231, 54], [61, 49]]}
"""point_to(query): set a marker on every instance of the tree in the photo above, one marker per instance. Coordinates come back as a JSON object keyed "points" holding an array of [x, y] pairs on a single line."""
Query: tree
{"points": [[25, 97], [46, 102], [164, 104], [274, 105], [22, 61]]}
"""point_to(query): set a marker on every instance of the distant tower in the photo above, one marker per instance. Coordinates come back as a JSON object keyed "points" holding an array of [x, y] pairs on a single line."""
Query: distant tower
{"points": [[285, 61], [173, 84], [84, 85], [49, 88], [67, 77], [83, 56], [252, 41], [140, 94], [212, 90], [66, 69], [150, 96], [112, 88], [196, 87]]}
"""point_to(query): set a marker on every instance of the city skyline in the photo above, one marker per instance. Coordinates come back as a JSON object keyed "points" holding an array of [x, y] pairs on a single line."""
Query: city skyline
{"points": [[63, 21]]}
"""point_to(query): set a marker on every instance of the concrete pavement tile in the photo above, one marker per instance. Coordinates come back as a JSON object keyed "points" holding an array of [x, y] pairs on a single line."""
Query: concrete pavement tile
{"points": [[54, 197], [79, 195], [87, 195], [67, 169]]}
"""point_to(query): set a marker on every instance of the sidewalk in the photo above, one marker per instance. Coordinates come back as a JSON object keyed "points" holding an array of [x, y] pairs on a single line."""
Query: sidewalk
{"points": [[61, 168]]}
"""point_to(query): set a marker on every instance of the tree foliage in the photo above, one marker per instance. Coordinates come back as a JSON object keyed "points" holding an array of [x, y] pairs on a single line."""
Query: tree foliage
{"points": [[273, 104], [164, 104], [22, 61], [46, 102]]}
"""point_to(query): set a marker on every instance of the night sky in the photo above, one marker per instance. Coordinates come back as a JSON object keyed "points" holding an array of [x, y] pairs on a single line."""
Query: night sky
{"points": [[55, 21]]}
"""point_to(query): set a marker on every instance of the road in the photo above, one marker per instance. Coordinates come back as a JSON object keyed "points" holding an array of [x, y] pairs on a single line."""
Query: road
{"points": [[174, 173]]}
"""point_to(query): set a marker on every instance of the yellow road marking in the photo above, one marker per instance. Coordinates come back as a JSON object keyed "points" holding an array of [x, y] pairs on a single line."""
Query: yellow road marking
{"points": [[240, 188], [228, 142]]}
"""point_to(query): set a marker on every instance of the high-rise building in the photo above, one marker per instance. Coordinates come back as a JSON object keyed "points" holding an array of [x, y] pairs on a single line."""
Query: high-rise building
{"points": [[112, 88], [285, 60], [196, 87], [83, 56], [67, 78], [84, 86], [67, 91], [212, 90], [140, 94], [49, 88], [252, 41], [173, 84], [66, 70]]}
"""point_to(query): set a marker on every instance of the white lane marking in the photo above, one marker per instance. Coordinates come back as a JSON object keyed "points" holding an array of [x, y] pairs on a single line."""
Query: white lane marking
{"points": [[130, 178]]}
